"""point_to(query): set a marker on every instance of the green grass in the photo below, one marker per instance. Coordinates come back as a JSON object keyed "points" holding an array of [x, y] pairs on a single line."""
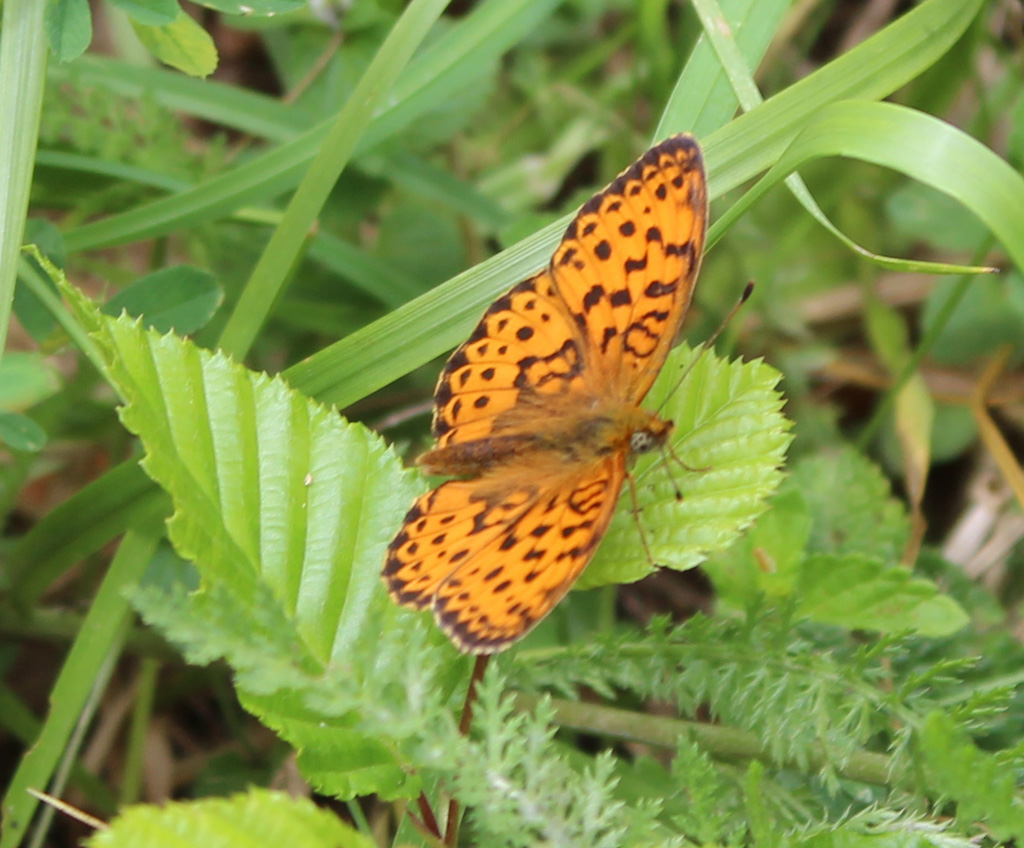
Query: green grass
{"points": [[857, 682]]}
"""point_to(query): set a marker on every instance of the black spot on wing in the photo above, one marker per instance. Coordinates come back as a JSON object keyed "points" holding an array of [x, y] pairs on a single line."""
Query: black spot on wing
{"points": [[593, 297], [622, 297]]}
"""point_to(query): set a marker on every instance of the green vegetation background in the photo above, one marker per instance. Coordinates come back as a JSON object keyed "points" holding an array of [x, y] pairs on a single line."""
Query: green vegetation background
{"points": [[177, 521]]}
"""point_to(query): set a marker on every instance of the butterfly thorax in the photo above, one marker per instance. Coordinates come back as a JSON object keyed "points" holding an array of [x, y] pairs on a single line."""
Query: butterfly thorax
{"points": [[569, 437]]}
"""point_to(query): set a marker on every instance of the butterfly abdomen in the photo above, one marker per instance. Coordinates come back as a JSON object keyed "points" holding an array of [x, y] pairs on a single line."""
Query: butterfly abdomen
{"points": [[477, 457]]}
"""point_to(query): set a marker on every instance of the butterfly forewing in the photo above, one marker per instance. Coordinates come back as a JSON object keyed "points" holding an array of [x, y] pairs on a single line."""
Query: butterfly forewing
{"points": [[524, 342], [627, 265]]}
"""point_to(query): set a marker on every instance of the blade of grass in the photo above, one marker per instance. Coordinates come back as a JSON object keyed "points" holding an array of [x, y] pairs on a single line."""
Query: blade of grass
{"points": [[102, 633], [703, 99], [22, 76], [84, 523], [423, 329], [230, 106], [427, 81], [282, 252], [915, 144], [20, 722], [872, 70], [716, 30]]}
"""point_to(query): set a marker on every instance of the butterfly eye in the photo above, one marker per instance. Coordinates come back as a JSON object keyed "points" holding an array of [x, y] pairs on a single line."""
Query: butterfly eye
{"points": [[642, 441]]}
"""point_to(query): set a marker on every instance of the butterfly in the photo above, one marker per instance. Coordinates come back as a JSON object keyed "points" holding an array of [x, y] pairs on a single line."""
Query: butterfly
{"points": [[537, 415]]}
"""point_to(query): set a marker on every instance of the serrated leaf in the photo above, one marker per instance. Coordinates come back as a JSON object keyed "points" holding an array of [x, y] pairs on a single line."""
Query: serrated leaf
{"points": [[181, 299], [286, 511], [257, 817], [728, 424], [150, 12], [269, 487], [68, 28], [182, 44], [857, 591], [852, 508]]}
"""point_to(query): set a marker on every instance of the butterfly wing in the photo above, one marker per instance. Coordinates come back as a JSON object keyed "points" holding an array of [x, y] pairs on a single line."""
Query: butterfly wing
{"points": [[525, 343], [493, 557], [627, 265], [526, 408], [603, 316]]}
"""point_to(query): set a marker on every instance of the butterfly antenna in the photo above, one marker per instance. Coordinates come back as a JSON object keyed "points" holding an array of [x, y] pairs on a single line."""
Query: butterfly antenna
{"points": [[747, 291]]}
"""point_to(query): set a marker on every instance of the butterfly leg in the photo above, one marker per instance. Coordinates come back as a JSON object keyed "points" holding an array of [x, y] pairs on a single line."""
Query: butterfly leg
{"points": [[679, 461], [636, 518]]}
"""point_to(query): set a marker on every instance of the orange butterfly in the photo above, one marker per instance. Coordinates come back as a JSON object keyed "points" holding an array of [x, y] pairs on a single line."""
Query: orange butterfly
{"points": [[538, 413]]}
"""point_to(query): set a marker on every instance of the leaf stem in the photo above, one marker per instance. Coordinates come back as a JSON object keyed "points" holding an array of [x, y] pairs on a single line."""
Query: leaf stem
{"points": [[451, 833], [720, 741]]}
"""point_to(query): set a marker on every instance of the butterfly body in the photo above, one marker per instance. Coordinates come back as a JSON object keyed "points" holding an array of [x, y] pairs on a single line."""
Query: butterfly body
{"points": [[574, 432], [538, 413]]}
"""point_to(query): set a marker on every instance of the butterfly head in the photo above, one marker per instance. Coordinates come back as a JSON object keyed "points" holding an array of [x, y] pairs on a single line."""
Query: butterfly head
{"points": [[648, 434]]}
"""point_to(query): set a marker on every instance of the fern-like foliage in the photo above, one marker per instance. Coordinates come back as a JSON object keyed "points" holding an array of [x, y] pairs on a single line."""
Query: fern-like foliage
{"points": [[813, 701], [524, 792]]}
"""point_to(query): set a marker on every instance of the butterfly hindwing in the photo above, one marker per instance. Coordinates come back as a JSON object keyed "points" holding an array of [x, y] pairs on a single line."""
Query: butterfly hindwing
{"points": [[493, 561]]}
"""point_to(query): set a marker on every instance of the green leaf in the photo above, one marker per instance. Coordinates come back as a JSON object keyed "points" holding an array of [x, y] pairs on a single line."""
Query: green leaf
{"points": [[181, 299], [728, 424], [257, 817], [182, 44], [768, 558], [25, 380], [19, 432], [857, 591], [150, 12], [254, 8], [68, 28], [852, 507], [269, 487], [286, 511], [985, 789]]}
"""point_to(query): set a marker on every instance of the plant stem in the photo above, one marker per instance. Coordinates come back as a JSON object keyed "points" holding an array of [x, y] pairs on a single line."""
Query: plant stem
{"points": [[718, 740], [451, 831]]}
